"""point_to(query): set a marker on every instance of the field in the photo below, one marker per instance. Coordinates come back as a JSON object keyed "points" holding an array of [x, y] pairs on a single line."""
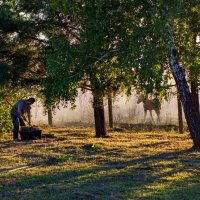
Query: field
{"points": [[70, 163]]}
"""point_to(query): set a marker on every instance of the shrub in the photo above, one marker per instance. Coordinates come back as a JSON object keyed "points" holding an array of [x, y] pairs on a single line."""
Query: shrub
{"points": [[5, 119]]}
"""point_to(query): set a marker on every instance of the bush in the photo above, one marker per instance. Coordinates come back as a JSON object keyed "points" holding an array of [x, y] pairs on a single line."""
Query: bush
{"points": [[6, 102], [5, 119]]}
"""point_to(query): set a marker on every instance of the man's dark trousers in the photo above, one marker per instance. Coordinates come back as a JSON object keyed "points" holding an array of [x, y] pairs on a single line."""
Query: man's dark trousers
{"points": [[16, 122]]}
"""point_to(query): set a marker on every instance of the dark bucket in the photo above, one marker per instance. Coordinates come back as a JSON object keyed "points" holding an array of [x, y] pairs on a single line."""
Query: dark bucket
{"points": [[30, 133]]}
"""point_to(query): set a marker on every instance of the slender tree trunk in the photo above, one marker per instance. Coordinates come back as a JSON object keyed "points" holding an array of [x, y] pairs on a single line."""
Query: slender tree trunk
{"points": [[195, 97], [110, 110], [50, 117], [191, 117], [194, 86], [180, 114], [100, 125]]}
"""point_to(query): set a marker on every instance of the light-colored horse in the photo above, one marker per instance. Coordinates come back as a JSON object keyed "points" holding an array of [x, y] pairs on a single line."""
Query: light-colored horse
{"points": [[150, 104]]}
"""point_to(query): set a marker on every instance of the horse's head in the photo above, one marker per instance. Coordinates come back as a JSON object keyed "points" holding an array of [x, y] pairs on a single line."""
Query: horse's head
{"points": [[140, 99]]}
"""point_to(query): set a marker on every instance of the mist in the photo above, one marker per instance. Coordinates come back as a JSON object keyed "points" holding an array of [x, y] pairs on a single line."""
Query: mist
{"points": [[125, 110]]}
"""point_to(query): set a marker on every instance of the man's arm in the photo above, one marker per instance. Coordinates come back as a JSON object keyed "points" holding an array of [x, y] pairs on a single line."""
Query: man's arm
{"points": [[19, 109], [29, 115]]}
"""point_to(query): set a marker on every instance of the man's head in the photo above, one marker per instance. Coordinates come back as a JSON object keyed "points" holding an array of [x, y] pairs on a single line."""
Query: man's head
{"points": [[31, 100]]}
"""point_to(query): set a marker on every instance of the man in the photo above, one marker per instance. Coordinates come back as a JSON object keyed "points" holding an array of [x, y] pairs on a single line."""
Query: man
{"points": [[17, 113]]}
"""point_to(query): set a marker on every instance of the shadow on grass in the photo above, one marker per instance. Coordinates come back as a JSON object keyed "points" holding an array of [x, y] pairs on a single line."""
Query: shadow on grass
{"points": [[63, 135], [7, 144], [149, 127], [112, 180], [156, 144]]}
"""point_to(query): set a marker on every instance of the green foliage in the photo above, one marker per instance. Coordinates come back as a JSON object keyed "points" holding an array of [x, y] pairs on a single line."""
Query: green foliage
{"points": [[89, 53], [5, 119], [97, 45], [151, 34], [8, 97], [20, 59]]}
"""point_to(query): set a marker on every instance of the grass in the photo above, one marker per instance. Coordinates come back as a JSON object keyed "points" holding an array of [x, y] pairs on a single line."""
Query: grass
{"points": [[70, 163]]}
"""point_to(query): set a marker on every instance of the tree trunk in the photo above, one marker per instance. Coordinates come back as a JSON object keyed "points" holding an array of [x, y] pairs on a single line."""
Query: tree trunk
{"points": [[194, 86], [100, 125], [180, 114], [50, 117], [110, 111], [195, 97], [191, 117]]}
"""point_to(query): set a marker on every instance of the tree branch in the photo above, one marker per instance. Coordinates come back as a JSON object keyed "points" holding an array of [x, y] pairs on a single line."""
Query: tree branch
{"points": [[37, 39], [106, 55]]}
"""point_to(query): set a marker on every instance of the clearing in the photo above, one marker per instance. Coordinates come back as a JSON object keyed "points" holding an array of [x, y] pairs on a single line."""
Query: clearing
{"points": [[70, 163]]}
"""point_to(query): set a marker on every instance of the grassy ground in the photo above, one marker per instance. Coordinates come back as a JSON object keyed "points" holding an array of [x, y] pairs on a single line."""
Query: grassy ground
{"points": [[69, 163]]}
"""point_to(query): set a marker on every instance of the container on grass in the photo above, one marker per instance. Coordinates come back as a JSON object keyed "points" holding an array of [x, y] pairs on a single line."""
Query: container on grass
{"points": [[30, 133]]}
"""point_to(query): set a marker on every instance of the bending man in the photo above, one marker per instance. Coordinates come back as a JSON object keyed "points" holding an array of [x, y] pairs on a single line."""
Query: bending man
{"points": [[17, 113]]}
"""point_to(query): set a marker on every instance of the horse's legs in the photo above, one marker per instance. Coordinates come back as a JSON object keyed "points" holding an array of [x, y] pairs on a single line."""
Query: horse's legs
{"points": [[151, 116], [158, 115]]}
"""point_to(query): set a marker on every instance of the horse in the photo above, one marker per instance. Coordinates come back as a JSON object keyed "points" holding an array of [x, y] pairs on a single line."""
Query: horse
{"points": [[149, 105]]}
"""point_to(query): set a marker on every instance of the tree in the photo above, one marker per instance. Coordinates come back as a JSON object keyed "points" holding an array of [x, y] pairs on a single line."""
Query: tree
{"points": [[88, 50], [179, 76], [86, 54], [170, 22], [13, 60], [50, 117], [20, 59], [180, 114], [110, 110], [193, 51]]}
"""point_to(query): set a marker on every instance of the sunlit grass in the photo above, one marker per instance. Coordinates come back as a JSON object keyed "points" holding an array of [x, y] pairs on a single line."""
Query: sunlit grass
{"points": [[70, 163]]}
